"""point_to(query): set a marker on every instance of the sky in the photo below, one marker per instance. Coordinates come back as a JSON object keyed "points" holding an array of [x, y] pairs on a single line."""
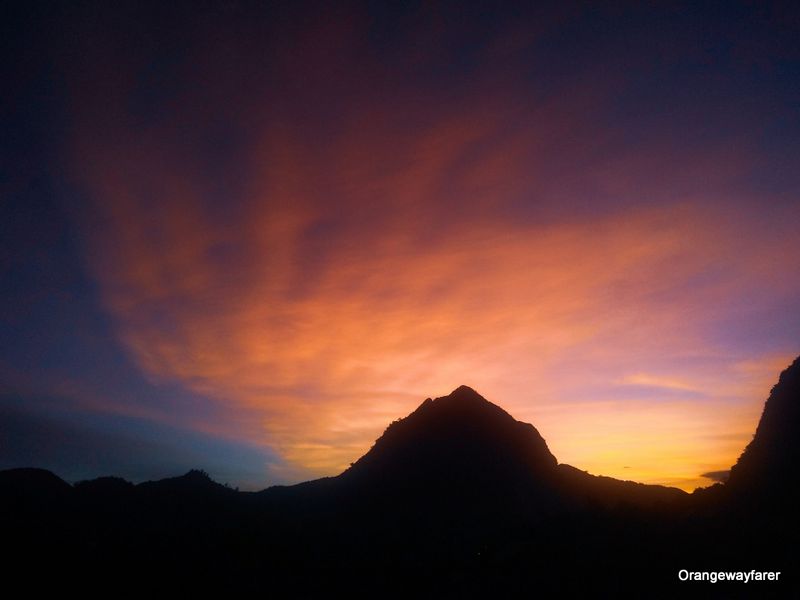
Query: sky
{"points": [[245, 237]]}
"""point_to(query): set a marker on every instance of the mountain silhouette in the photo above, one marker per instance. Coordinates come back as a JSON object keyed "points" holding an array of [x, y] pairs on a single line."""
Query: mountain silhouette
{"points": [[460, 437], [457, 499], [456, 453], [195, 482], [461, 453], [767, 469], [462, 441]]}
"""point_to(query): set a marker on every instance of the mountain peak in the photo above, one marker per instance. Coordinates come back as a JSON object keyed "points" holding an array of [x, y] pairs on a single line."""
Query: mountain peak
{"points": [[195, 481], [461, 436], [463, 403], [464, 391]]}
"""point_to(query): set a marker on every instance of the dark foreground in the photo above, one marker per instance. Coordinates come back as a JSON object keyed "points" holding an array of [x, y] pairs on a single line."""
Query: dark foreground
{"points": [[456, 500]]}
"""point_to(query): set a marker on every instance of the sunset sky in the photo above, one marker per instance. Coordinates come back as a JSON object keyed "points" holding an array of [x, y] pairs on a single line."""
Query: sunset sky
{"points": [[246, 237]]}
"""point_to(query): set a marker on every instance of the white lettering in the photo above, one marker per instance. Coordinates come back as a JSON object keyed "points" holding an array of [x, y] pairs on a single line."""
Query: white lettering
{"points": [[715, 576]]}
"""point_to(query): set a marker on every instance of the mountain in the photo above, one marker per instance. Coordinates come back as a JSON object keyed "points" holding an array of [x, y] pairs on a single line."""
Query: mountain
{"points": [[455, 439], [194, 483], [456, 453], [599, 491], [462, 454], [767, 469]]}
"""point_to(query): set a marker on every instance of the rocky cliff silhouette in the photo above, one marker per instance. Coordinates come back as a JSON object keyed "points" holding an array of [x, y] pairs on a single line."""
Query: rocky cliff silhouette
{"points": [[456, 499], [767, 469]]}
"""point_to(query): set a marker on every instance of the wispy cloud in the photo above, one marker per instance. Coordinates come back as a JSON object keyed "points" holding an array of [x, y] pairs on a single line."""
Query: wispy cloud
{"points": [[655, 381]]}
